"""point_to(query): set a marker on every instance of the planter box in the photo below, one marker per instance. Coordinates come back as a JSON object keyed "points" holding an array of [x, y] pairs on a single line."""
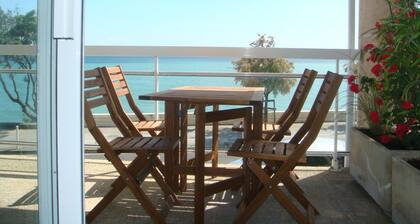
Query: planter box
{"points": [[371, 166], [405, 192]]}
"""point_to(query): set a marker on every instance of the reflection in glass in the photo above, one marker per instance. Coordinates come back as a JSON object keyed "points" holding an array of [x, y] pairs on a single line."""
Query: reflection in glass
{"points": [[18, 114]]}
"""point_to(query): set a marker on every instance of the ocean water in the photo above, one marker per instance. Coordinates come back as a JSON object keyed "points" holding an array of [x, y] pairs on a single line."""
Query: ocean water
{"points": [[11, 112]]}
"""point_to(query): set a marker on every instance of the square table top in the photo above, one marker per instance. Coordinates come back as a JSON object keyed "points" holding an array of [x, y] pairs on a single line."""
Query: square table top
{"points": [[209, 95]]}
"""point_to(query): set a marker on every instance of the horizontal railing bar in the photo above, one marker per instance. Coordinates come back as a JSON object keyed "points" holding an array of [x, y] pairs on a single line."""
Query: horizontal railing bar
{"points": [[231, 52], [17, 50], [185, 51], [197, 74], [18, 71]]}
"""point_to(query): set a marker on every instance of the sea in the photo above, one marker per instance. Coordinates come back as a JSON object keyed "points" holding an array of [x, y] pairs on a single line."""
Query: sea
{"points": [[10, 112]]}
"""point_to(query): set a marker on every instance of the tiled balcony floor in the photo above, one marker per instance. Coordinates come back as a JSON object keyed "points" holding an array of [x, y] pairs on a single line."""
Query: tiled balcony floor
{"points": [[336, 195]]}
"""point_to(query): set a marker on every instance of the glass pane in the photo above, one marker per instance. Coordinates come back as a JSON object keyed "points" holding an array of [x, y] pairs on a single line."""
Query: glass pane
{"points": [[18, 112]]}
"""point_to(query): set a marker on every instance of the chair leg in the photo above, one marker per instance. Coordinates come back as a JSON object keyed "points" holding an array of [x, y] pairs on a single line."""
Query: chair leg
{"points": [[117, 186], [215, 141], [298, 193], [135, 189], [272, 188], [163, 185]]}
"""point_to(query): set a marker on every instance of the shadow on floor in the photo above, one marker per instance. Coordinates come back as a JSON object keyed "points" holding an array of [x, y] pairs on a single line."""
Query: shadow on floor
{"points": [[18, 216], [336, 195]]}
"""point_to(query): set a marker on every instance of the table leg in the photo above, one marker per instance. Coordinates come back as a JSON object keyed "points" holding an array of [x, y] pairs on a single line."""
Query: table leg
{"points": [[200, 124], [172, 130], [215, 141], [184, 144], [257, 120]]}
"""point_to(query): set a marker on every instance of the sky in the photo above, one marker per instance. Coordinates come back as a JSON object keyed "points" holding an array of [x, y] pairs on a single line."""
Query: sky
{"points": [[221, 23]]}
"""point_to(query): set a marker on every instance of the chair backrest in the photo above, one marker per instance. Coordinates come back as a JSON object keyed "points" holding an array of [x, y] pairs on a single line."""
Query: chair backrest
{"points": [[115, 80], [295, 106], [117, 86], [307, 134], [96, 95]]}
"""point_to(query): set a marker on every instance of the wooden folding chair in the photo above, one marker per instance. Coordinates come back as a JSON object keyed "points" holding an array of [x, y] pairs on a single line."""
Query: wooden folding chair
{"points": [[280, 160], [281, 127], [145, 148], [117, 86]]}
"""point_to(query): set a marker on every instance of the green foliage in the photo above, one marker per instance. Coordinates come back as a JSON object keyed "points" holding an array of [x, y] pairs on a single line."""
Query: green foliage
{"points": [[16, 29], [272, 65], [395, 76]]}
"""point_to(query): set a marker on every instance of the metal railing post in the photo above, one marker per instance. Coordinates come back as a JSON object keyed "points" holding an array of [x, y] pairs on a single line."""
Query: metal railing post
{"points": [[17, 138], [350, 106], [334, 162], [156, 81]]}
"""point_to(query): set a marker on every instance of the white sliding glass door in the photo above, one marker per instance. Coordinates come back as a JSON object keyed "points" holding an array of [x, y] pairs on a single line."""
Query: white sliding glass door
{"points": [[41, 111]]}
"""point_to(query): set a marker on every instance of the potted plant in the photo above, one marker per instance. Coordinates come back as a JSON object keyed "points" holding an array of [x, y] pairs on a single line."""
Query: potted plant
{"points": [[389, 97]]}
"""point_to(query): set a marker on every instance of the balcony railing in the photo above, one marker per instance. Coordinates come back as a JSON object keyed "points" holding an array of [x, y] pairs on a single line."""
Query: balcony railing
{"points": [[337, 55]]}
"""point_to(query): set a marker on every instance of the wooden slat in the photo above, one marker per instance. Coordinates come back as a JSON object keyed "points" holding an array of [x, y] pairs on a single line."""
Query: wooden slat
{"points": [[211, 171], [223, 115], [97, 102], [117, 77], [93, 83], [113, 70], [141, 143], [92, 73], [95, 92], [122, 92], [121, 143], [119, 84], [223, 185], [151, 143]]}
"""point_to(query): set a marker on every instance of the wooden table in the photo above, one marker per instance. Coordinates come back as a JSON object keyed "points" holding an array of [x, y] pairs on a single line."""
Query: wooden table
{"points": [[200, 97]]}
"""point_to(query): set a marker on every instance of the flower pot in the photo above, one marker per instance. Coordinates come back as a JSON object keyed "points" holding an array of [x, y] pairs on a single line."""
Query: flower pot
{"points": [[371, 166], [405, 192]]}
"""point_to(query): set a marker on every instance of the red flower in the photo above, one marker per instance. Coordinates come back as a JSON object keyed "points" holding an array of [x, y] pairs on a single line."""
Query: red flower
{"points": [[379, 86], [378, 25], [411, 14], [354, 88], [368, 46], [401, 130], [407, 105], [379, 101], [373, 57], [351, 79], [393, 69], [377, 70], [389, 49], [374, 117], [385, 139], [385, 56]]}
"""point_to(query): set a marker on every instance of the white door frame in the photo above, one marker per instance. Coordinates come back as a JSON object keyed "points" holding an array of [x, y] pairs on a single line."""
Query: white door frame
{"points": [[60, 124]]}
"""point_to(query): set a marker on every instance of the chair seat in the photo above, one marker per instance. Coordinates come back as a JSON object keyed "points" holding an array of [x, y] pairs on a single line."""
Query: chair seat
{"points": [[268, 128], [148, 144], [264, 150], [151, 125]]}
